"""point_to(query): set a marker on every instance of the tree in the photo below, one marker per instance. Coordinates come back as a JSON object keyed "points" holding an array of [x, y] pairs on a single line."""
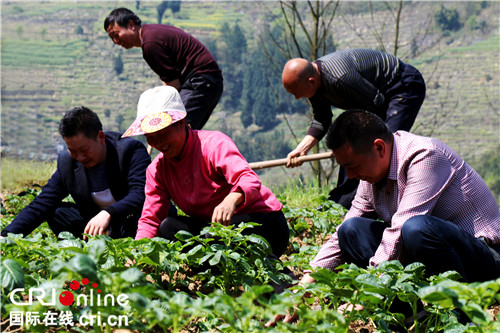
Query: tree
{"points": [[246, 118], [43, 33], [119, 121], [160, 9], [230, 58], [304, 30], [78, 30], [19, 30], [406, 44], [448, 19], [257, 99], [118, 64], [175, 7]]}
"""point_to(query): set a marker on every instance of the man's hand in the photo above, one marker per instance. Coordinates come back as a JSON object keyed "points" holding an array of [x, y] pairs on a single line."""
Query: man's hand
{"points": [[98, 225], [293, 158], [225, 210], [302, 149]]}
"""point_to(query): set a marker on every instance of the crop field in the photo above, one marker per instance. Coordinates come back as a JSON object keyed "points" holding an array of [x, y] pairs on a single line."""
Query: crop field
{"points": [[223, 282], [55, 55]]}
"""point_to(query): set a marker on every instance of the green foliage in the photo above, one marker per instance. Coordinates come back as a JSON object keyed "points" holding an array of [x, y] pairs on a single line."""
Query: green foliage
{"points": [[43, 32], [230, 57], [488, 166], [447, 19], [234, 272], [11, 275], [174, 6], [262, 146], [78, 30], [472, 23], [160, 9], [317, 223], [17, 10], [14, 203], [447, 296], [118, 65], [19, 30], [27, 53], [119, 121], [258, 100], [243, 260]]}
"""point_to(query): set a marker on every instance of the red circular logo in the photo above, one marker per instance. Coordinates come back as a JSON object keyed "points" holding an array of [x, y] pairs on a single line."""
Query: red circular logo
{"points": [[74, 285], [66, 298]]}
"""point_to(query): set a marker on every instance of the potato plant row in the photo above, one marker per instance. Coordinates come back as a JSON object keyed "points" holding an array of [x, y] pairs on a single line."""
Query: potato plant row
{"points": [[222, 281]]}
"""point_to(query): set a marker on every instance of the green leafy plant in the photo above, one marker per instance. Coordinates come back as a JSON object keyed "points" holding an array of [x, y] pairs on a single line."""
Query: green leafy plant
{"points": [[233, 269]]}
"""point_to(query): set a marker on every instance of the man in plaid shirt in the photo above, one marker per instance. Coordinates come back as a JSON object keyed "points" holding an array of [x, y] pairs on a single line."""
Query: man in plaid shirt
{"points": [[418, 201]]}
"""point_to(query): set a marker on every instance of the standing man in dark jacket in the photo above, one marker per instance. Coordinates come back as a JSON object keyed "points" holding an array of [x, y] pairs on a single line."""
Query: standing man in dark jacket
{"points": [[179, 59], [105, 176], [353, 79]]}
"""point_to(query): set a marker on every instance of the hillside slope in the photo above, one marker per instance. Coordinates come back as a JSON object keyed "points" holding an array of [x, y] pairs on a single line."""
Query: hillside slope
{"points": [[56, 55]]}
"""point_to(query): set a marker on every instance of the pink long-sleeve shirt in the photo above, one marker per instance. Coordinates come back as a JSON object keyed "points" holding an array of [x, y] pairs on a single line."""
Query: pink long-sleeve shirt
{"points": [[426, 177], [208, 169]]}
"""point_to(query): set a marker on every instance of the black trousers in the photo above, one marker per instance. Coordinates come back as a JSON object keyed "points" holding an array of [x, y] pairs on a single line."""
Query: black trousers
{"points": [[67, 218], [440, 245], [200, 95], [273, 228]]}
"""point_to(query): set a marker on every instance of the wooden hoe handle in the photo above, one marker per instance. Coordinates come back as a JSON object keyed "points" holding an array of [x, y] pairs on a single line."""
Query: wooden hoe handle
{"points": [[282, 161]]}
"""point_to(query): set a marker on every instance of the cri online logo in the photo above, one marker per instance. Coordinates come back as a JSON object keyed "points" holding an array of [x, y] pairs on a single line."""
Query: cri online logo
{"points": [[67, 298]]}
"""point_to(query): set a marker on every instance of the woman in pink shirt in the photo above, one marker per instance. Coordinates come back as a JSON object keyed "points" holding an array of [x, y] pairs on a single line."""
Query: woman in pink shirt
{"points": [[203, 173]]}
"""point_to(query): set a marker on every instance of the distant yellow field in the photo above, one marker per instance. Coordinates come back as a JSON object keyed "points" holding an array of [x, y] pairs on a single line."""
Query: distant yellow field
{"points": [[18, 174]]}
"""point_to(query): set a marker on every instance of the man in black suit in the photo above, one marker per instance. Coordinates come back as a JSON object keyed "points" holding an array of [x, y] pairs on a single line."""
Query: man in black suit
{"points": [[105, 175]]}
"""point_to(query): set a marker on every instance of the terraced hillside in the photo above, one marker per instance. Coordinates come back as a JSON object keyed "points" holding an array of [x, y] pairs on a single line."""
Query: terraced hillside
{"points": [[56, 55]]}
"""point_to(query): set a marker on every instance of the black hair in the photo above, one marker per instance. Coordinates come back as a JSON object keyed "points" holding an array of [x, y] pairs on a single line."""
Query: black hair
{"points": [[80, 120], [359, 128], [121, 16]]}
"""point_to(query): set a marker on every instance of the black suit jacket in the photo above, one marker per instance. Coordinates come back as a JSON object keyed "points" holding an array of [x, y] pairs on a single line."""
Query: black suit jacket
{"points": [[126, 163]]}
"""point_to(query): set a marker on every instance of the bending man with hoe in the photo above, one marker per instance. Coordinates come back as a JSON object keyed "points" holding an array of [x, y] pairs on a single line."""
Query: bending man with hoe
{"points": [[353, 79], [417, 201]]}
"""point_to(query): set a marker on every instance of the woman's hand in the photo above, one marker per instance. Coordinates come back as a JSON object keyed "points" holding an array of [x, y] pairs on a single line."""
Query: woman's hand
{"points": [[225, 210]]}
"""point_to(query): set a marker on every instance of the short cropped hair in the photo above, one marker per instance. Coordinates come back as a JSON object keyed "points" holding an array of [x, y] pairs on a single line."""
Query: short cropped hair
{"points": [[121, 16], [308, 72], [80, 120], [359, 128]]}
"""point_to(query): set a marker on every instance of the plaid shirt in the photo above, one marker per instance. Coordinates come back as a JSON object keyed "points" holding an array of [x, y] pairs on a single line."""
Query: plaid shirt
{"points": [[426, 177]]}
